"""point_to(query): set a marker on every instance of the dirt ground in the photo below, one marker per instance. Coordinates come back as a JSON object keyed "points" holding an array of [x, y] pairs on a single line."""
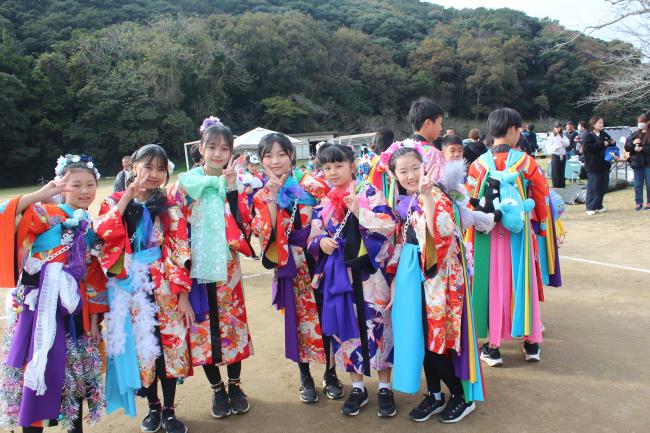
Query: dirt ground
{"points": [[593, 376]]}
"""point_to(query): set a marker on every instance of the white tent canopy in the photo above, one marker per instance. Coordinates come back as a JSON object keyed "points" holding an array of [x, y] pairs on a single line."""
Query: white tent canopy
{"points": [[252, 138]]}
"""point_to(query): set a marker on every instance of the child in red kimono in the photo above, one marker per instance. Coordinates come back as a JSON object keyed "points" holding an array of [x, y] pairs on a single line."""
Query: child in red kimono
{"points": [[50, 353], [146, 258], [282, 221], [431, 308], [218, 218]]}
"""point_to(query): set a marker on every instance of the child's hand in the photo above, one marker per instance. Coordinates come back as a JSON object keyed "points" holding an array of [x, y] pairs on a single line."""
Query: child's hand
{"points": [[275, 183], [230, 174], [426, 181], [328, 245], [94, 333], [352, 202], [185, 311], [56, 186]]}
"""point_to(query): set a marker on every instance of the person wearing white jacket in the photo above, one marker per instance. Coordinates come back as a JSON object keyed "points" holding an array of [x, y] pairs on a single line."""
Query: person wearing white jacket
{"points": [[559, 144]]}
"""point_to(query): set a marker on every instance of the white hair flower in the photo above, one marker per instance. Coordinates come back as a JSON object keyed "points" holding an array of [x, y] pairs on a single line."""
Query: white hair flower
{"points": [[76, 158], [90, 164]]}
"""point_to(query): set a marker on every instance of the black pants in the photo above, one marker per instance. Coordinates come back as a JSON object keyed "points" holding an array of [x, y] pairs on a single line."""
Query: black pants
{"points": [[558, 166], [168, 386], [441, 368], [597, 183], [214, 375]]}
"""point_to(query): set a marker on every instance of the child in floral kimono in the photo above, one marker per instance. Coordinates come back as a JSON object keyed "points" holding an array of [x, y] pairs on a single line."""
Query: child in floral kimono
{"points": [[146, 258], [50, 358], [350, 232], [431, 308], [282, 222], [218, 218]]}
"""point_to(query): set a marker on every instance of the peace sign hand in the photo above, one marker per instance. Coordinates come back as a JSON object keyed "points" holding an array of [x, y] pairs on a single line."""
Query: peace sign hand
{"points": [[275, 183], [426, 180], [137, 186], [57, 186], [352, 202], [230, 174]]}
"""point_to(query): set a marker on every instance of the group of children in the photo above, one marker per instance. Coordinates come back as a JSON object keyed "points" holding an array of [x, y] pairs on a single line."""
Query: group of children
{"points": [[365, 284]]}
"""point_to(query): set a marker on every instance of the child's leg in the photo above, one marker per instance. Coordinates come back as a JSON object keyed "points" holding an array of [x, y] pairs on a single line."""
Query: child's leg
{"points": [[384, 378], [152, 393], [78, 424], [444, 369], [238, 402], [234, 371], [213, 374], [431, 374], [168, 386], [32, 429]]}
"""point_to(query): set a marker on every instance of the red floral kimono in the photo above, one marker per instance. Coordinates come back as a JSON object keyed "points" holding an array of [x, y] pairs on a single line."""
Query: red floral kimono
{"points": [[168, 273], [279, 249], [233, 336]]}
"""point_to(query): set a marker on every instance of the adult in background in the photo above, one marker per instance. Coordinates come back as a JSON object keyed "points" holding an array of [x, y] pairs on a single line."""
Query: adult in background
{"points": [[559, 146], [594, 143], [475, 147], [571, 134], [531, 138], [582, 131], [123, 175], [450, 131], [638, 146]]}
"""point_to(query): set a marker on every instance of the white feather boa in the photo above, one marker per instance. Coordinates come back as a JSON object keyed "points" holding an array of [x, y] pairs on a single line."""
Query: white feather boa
{"points": [[137, 307]]}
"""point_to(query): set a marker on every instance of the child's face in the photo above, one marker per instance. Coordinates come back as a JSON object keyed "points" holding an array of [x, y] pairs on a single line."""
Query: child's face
{"points": [[407, 172], [155, 169], [432, 128], [339, 174], [126, 163], [453, 152], [83, 188], [277, 160], [216, 153], [253, 168]]}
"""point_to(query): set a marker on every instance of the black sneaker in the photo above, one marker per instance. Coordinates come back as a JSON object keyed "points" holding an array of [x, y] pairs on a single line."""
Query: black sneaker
{"points": [[238, 402], [357, 399], [491, 356], [332, 386], [428, 407], [220, 403], [456, 409], [153, 421], [386, 403], [308, 392], [532, 351], [171, 424]]}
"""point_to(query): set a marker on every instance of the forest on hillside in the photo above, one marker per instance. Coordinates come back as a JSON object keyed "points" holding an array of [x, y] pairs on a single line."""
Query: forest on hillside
{"points": [[104, 77]]}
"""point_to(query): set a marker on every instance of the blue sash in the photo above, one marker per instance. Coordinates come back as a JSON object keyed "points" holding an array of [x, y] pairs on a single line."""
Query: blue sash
{"points": [[408, 329]]}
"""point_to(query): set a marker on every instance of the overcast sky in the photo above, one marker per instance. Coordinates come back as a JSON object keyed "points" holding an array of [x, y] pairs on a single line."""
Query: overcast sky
{"points": [[573, 14]]}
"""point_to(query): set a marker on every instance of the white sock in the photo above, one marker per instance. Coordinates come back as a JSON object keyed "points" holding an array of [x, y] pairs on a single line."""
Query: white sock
{"points": [[383, 385], [358, 385], [437, 395]]}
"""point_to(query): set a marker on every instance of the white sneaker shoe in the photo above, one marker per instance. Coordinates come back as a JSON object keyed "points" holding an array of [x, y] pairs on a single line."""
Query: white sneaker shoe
{"points": [[602, 210], [591, 212]]}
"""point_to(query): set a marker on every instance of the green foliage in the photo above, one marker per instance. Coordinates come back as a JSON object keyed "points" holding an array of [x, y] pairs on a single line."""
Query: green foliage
{"points": [[107, 76]]}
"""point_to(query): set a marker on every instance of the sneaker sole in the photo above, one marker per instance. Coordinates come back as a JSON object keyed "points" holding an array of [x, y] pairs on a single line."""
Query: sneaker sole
{"points": [[363, 403], [492, 362], [426, 418], [388, 415], [304, 400], [220, 416], [533, 358], [241, 412], [466, 412], [151, 431], [331, 396], [183, 431]]}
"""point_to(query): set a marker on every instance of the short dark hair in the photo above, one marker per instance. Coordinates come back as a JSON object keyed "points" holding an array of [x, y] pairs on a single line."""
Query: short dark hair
{"points": [[423, 109], [502, 119], [384, 137], [266, 144], [474, 134], [329, 153], [583, 124], [531, 127], [195, 153], [593, 121], [452, 139]]}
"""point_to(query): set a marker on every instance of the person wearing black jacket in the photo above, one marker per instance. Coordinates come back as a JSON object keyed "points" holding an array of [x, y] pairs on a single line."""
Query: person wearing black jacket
{"points": [[474, 148], [571, 134], [638, 146], [594, 143]]}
